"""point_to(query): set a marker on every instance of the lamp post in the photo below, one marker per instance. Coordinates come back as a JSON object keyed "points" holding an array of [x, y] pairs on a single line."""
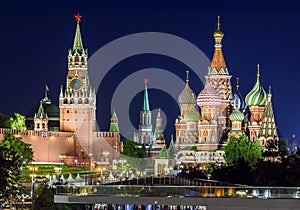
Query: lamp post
{"points": [[33, 169], [22, 193], [100, 170], [83, 160]]}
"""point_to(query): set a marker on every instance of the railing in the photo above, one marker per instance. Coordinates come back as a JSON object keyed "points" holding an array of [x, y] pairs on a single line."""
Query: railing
{"points": [[181, 191], [38, 133]]}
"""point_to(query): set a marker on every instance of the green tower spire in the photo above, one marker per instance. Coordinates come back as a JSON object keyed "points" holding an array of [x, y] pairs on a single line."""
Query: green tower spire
{"points": [[114, 123], [146, 106], [77, 45]]}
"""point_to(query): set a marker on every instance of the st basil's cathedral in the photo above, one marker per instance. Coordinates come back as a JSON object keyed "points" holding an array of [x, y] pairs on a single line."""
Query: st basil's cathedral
{"points": [[202, 134]]}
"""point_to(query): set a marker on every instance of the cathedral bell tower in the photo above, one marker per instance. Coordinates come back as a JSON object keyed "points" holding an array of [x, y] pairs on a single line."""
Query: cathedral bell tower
{"points": [[77, 101]]}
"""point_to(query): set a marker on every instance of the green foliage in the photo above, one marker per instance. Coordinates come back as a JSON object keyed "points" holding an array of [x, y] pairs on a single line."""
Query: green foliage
{"points": [[133, 149], [44, 199], [135, 155], [4, 121], [283, 146], [244, 150], [17, 122], [14, 156], [209, 168]]}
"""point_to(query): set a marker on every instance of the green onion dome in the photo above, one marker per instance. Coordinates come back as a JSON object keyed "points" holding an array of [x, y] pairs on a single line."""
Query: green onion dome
{"points": [[236, 115], [257, 96], [192, 115]]}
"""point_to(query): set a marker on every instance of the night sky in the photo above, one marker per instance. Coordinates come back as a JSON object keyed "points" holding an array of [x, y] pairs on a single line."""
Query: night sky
{"points": [[36, 35]]}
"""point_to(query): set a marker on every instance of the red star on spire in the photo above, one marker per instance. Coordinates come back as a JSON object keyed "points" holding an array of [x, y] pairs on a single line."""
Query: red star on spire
{"points": [[146, 80], [78, 17]]}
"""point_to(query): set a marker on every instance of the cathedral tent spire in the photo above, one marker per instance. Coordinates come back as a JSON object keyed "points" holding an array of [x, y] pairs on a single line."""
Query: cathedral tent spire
{"points": [[77, 45], [146, 106], [218, 65]]}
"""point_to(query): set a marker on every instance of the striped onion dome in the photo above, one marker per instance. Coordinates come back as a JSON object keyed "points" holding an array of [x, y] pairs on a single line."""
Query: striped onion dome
{"points": [[257, 96], [208, 96], [192, 115], [187, 95], [236, 115], [238, 101]]}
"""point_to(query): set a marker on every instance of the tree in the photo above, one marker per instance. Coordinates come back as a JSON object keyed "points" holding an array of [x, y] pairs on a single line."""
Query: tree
{"points": [[44, 199], [135, 154], [243, 150], [4, 121], [133, 149], [283, 146], [17, 122], [14, 156]]}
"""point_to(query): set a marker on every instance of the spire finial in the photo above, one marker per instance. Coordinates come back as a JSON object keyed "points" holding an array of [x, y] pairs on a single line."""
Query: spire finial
{"points": [[218, 33], [219, 24], [187, 77], [78, 17], [269, 89], [258, 70], [237, 83]]}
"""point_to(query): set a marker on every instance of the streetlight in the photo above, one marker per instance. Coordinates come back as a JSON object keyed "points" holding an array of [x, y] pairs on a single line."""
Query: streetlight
{"points": [[22, 193], [33, 169], [122, 161], [100, 170], [83, 160]]}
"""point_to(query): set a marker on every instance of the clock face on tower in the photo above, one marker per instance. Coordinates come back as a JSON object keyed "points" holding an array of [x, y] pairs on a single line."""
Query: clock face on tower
{"points": [[76, 84]]}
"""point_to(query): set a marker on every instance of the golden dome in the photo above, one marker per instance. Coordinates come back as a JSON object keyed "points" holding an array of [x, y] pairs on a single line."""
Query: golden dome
{"points": [[218, 33]]}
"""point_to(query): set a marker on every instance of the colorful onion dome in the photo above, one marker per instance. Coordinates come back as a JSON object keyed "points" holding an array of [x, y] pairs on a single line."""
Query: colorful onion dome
{"points": [[187, 95], [218, 33], [237, 100], [236, 115], [257, 96], [208, 96], [192, 115]]}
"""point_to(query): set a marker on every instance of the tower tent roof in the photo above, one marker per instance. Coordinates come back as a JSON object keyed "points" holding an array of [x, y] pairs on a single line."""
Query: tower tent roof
{"points": [[41, 113], [218, 64], [146, 106], [77, 44]]}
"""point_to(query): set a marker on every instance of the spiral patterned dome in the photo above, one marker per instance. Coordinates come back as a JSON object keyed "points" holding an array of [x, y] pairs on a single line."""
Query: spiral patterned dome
{"points": [[192, 115], [208, 96], [238, 101], [257, 96], [236, 115], [186, 96]]}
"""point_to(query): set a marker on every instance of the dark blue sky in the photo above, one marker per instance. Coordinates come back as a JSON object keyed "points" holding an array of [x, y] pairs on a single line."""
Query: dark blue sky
{"points": [[36, 35]]}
